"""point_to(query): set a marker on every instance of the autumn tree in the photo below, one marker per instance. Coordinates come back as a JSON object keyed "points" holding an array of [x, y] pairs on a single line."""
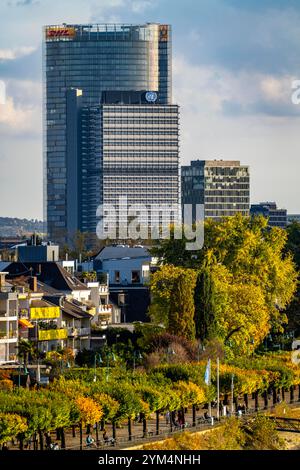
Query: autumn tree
{"points": [[173, 291], [11, 424], [244, 281]]}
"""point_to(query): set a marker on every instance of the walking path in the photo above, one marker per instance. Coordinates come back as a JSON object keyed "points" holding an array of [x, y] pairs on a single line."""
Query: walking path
{"points": [[122, 441]]}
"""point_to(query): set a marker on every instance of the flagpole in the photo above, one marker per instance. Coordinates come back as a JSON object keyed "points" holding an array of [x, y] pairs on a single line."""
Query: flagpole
{"points": [[232, 387], [218, 389], [209, 404]]}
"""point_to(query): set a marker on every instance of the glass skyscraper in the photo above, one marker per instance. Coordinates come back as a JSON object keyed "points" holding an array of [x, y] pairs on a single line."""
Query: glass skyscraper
{"points": [[222, 186], [80, 63]]}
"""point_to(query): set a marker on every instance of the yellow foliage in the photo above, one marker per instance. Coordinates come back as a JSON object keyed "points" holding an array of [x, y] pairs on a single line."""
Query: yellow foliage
{"points": [[90, 411], [6, 384]]}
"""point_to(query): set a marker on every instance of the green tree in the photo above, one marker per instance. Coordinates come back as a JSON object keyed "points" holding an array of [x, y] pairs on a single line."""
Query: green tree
{"points": [[26, 350], [11, 424], [173, 290]]}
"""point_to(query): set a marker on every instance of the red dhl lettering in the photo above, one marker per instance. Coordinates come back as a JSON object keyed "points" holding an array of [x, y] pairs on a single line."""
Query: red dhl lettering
{"points": [[64, 32]]}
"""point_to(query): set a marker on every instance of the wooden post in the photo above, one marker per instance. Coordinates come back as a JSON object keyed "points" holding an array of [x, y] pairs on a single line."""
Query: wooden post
{"points": [[246, 401], [73, 431], [282, 394], [114, 429]]}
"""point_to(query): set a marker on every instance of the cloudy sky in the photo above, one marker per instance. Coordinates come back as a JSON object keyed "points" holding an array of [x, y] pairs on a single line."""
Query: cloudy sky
{"points": [[234, 64]]}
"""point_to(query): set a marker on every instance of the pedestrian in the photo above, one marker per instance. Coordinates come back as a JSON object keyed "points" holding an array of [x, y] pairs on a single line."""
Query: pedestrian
{"points": [[107, 440], [168, 417], [89, 440], [55, 446]]}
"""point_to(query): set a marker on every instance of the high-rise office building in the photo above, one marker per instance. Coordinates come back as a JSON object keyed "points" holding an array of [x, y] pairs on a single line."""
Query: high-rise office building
{"points": [[222, 186], [81, 63], [276, 217], [139, 156]]}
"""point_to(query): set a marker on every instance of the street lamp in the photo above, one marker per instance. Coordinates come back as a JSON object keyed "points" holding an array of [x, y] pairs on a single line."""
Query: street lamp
{"points": [[110, 355], [98, 358], [136, 355]]}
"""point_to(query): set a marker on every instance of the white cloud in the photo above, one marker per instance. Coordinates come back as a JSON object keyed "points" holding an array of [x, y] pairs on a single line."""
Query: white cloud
{"points": [[19, 120], [210, 89], [257, 138], [12, 54], [139, 6]]}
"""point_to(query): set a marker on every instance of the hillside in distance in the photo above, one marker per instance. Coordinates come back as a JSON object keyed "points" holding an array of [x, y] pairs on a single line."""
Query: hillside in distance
{"points": [[14, 227]]}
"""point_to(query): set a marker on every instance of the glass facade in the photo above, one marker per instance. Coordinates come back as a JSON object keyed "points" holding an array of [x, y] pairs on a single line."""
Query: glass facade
{"points": [[276, 217], [93, 59], [222, 186], [140, 154]]}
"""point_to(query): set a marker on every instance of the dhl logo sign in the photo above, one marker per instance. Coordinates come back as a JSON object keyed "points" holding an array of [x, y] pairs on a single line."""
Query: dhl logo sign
{"points": [[52, 33]]}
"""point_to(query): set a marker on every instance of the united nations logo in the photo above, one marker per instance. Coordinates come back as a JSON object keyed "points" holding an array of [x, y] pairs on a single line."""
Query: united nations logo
{"points": [[151, 96]]}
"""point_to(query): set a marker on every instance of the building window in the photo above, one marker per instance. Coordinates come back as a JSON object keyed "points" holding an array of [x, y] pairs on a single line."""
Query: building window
{"points": [[135, 277], [117, 276]]}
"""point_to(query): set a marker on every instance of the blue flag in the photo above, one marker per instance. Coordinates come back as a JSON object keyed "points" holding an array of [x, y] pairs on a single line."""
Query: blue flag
{"points": [[207, 373]]}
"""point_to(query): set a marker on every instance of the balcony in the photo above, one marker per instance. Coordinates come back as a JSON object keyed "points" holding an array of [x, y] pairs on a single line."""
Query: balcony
{"points": [[103, 289], [105, 308], [37, 313], [78, 331], [48, 335], [12, 335]]}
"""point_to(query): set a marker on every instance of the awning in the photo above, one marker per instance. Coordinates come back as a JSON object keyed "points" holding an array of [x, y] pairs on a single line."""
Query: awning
{"points": [[25, 323]]}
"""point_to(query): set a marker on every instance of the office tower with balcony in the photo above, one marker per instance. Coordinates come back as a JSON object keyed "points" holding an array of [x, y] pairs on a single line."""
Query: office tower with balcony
{"points": [[97, 136], [221, 186]]}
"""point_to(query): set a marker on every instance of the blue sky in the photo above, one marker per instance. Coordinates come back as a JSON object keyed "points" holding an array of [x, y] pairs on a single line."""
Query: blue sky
{"points": [[234, 63]]}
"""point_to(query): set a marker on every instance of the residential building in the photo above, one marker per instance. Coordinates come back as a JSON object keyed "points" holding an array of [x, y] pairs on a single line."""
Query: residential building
{"points": [[222, 187], [38, 253], [128, 269], [81, 63], [276, 217], [8, 321], [47, 318]]}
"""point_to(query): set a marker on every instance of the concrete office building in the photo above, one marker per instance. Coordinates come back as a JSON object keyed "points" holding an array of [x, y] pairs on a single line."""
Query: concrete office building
{"points": [[222, 186], [276, 217], [81, 63]]}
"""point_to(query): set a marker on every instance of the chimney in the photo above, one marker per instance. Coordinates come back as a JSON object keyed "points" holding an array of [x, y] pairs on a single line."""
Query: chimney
{"points": [[33, 284]]}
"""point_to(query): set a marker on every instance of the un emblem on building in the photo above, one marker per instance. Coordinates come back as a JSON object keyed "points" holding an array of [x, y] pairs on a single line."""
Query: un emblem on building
{"points": [[151, 96]]}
